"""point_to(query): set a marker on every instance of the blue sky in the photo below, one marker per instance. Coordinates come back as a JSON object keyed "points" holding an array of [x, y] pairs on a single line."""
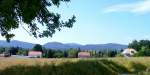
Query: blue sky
{"points": [[99, 22]]}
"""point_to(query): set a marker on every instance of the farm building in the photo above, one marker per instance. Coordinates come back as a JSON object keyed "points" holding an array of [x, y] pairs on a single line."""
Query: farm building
{"points": [[129, 52], [35, 54], [5, 54], [84, 55]]}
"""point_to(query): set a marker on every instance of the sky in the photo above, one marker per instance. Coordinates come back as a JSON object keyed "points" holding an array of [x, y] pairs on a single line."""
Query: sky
{"points": [[99, 22]]}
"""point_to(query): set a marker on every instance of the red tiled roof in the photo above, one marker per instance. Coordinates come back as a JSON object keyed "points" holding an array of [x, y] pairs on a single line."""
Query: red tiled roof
{"points": [[84, 54], [34, 53]]}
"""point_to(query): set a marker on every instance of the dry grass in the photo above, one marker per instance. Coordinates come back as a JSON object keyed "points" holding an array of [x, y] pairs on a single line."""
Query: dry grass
{"points": [[117, 64], [11, 66], [8, 62], [137, 62]]}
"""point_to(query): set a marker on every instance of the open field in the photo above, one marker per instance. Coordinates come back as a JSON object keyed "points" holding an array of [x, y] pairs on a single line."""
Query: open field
{"points": [[91, 66]]}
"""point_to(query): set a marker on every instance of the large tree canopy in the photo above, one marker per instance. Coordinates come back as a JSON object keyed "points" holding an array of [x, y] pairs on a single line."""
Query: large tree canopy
{"points": [[31, 12], [38, 47], [139, 45]]}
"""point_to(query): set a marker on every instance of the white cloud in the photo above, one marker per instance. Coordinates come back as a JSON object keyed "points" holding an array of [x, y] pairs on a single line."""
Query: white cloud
{"points": [[140, 7]]}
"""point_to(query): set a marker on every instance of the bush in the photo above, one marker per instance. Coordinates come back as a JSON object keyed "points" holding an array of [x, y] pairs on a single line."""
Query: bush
{"points": [[119, 55]]}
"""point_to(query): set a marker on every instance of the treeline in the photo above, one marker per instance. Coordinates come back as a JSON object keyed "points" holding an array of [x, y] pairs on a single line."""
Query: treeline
{"points": [[73, 53], [14, 50], [142, 46], [57, 53]]}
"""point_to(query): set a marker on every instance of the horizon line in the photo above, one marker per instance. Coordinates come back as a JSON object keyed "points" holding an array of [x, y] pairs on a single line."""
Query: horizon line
{"points": [[66, 43]]}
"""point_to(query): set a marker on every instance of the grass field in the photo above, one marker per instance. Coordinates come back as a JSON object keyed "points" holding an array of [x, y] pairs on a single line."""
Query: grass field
{"points": [[92, 66]]}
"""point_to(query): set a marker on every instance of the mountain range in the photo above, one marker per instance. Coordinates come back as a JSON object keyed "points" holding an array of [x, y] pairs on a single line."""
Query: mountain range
{"points": [[58, 45]]}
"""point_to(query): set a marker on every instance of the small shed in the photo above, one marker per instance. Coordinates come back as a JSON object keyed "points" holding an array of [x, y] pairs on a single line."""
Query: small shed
{"points": [[35, 54], [84, 55], [129, 52]]}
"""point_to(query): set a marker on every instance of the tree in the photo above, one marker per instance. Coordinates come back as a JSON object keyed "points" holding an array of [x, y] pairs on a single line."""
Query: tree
{"points": [[58, 54], [144, 43], [2, 50], [22, 52], [142, 46], [65, 54], [137, 45], [32, 14], [134, 45], [72, 53], [49, 53], [113, 53], [13, 50], [144, 52], [38, 47]]}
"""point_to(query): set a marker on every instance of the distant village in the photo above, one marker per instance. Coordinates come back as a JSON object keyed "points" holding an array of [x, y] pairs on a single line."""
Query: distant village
{"points": [[134, 49], [39, 52]]}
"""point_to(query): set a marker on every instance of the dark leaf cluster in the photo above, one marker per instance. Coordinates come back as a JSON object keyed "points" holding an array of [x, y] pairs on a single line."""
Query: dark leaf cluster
{"points": [[13, 13]]}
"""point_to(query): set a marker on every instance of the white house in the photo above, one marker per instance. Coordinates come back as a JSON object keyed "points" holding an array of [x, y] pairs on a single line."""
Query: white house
{"points": [[129, 52], [35, 54], [84, 55]]}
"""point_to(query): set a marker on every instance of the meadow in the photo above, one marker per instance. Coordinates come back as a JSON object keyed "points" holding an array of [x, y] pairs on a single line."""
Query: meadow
{"points": [[74, 66]]}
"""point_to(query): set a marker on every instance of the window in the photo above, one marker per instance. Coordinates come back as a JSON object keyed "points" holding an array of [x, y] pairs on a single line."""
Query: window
{"points": [[132, 51]]}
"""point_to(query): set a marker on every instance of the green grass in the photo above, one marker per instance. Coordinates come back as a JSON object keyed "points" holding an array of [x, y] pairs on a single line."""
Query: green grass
{"points": [[93, 66]]}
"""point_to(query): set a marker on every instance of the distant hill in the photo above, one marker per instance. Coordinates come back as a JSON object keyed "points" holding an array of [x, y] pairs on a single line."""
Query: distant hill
{"points": [[103, 46], [15, 43], [58, 45]]}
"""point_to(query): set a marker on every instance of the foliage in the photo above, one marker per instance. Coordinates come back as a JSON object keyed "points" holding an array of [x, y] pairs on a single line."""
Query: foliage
{"points": [[137, 45], [119, 55], [13, 50], [32, 14], [59, 54], [134, 45], [73, 53], [65, 54], [22, 52], [147, 72], [49, 53], [106, 53], [143, 52], [38, 47], [2, 50], [56, 53], [142, 46]]}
